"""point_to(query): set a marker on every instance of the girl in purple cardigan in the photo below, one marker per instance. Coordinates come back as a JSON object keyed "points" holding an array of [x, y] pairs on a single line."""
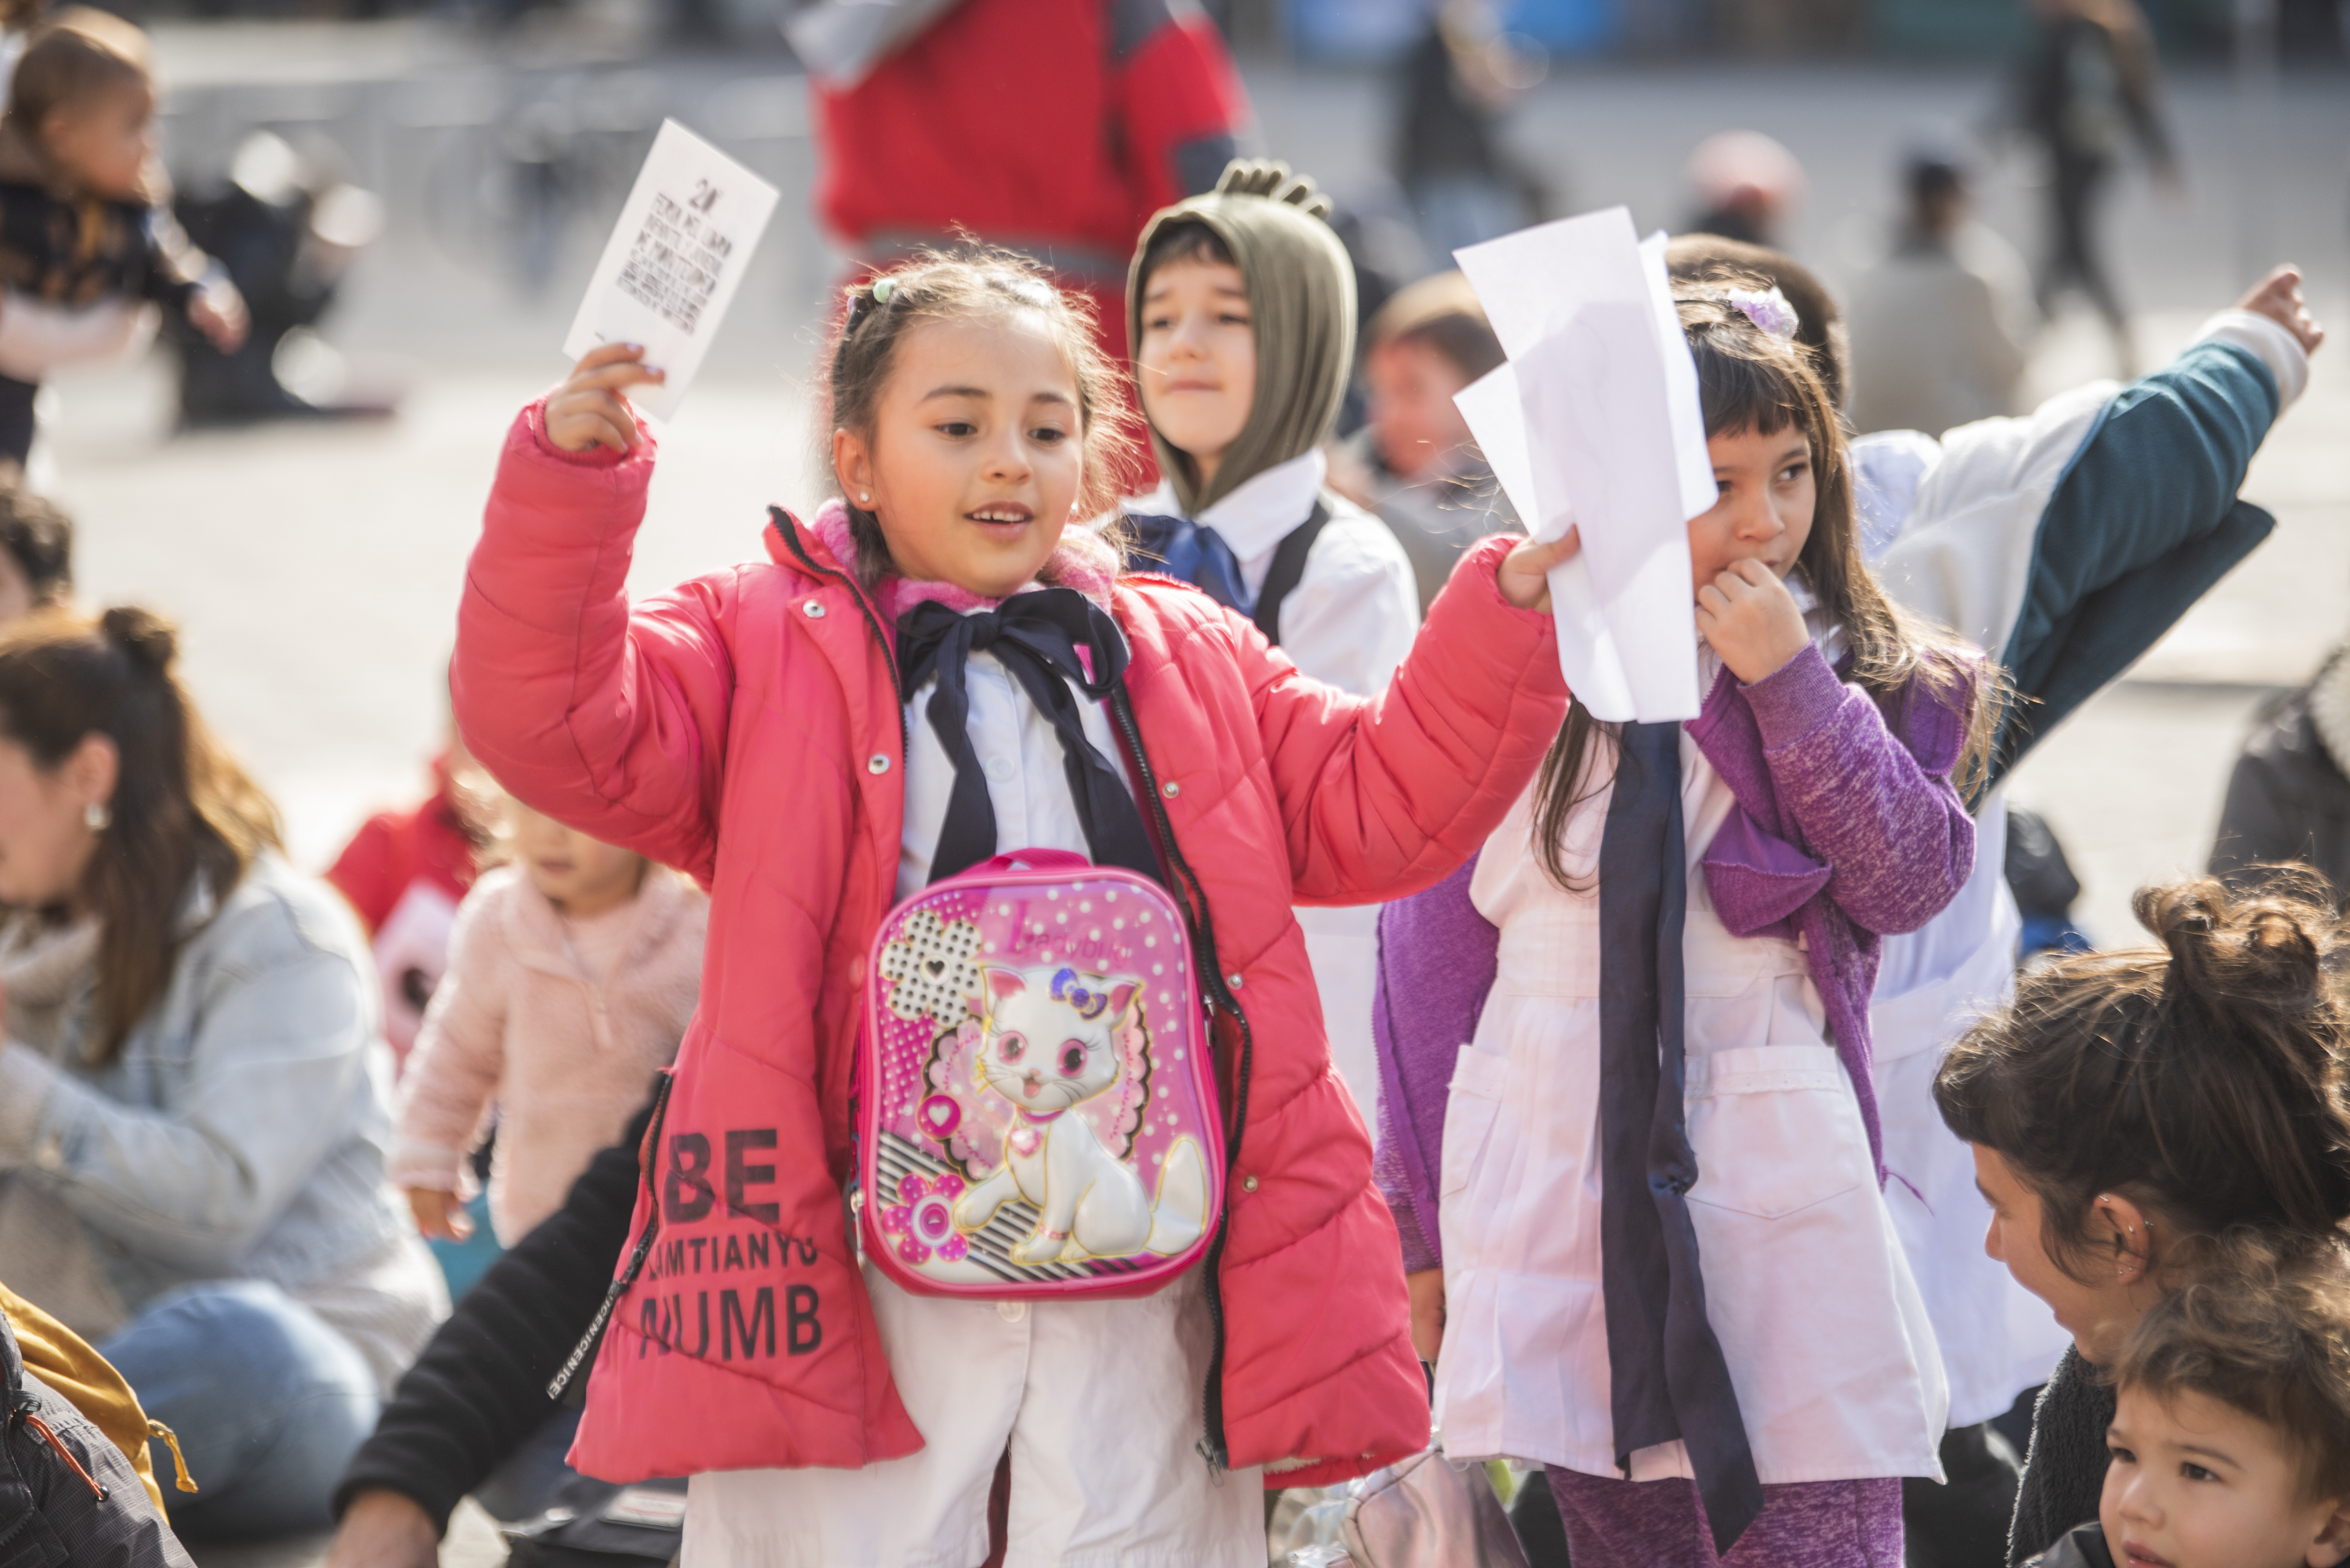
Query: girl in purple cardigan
{"points": [[1626, 1123]]}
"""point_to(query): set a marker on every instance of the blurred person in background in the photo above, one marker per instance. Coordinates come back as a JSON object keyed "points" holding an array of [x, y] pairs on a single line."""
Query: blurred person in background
{"points": [[573, 971], [36, 540], [79, 218], [1454, 85], [1745, 184], [2086, 87], [1125, 107], [406, 870], [1941, 327], [286, 229], [2289, 794], [192, 1113], [1414, 462]]}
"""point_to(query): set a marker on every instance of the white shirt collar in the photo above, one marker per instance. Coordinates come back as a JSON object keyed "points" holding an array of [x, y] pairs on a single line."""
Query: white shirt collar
{"points": [[1255, 518]]}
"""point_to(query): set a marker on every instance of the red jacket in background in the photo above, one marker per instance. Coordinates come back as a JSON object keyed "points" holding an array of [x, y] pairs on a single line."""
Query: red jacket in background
{"points": [[1053, 127], [406, 872]]}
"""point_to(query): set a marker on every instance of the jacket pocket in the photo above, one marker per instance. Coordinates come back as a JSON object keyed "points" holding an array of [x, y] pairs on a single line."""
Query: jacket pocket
{"points": [[1775, 1129], [1478, 1077]]}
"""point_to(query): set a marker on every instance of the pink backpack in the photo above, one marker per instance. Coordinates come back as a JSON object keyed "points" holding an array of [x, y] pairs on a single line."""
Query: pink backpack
{"points": [[1035, 1109]]}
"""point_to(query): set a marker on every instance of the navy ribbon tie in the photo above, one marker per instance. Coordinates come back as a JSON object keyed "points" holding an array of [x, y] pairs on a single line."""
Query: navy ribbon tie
{"points": [[1197, 554], [1036, 636], [1668, 1377]]}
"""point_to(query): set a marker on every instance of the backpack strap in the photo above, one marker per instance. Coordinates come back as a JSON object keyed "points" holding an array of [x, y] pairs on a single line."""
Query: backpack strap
{"points": [[1288, 566]]}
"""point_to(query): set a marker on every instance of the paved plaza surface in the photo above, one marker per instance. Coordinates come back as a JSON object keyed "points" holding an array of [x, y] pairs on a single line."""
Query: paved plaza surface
{"points": [[315, 569]]}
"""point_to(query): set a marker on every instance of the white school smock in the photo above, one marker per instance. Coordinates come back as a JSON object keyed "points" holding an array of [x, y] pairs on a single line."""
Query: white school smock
{"points": [[1827, 1342], [1099, 1401], [1348, 623]]}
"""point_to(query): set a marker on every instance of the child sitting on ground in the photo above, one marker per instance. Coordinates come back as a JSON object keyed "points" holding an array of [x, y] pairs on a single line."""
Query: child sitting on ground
{"points": [[572, 974], [79, 221], [2230, 1437]]}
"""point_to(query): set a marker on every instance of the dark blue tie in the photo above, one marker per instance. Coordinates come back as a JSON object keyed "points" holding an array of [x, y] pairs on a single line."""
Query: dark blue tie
{"points": [[1197, 554], [1667, 1376], [1036, 636]]}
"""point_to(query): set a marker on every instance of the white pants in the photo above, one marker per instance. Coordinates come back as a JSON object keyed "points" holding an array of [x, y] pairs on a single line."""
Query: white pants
{"points": [[1099, 1404]]}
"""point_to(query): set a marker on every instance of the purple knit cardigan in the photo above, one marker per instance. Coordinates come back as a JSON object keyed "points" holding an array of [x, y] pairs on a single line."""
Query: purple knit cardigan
{"points": [[1846, 831]]}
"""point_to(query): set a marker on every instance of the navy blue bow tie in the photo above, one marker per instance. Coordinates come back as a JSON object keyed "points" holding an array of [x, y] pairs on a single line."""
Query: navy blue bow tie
{"points": [[1197, 554], [1036, 636]]}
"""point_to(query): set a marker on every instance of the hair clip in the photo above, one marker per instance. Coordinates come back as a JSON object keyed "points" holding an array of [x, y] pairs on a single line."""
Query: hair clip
{"points": [[1768, 310], [883, 287]]}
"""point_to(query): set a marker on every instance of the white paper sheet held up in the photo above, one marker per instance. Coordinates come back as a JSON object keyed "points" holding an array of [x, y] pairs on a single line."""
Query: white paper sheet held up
{"points": [[1595, 424], [673, 262]]}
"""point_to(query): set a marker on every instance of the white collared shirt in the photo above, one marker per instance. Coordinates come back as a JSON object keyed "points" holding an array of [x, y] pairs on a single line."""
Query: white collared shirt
{"points": [[1355, 611]]}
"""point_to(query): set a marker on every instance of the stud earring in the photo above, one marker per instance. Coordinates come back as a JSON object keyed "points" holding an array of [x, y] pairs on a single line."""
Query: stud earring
{"points": [[865, 498], [97, 816]]}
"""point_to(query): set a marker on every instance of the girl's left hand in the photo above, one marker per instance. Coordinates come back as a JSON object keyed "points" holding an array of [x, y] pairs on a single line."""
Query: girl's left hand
{"points": [[1747, 616]]}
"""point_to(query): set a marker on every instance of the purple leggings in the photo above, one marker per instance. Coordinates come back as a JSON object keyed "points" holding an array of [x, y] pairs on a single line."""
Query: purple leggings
{"points": [[1614, 1523]]}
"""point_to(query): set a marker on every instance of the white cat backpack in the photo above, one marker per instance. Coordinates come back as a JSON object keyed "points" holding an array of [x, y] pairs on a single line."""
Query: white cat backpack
{"points": [[1036, 1113]]}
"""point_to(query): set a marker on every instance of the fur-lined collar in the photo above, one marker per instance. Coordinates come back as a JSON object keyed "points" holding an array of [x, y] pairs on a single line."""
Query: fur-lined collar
{"points": [[1083, 560]]}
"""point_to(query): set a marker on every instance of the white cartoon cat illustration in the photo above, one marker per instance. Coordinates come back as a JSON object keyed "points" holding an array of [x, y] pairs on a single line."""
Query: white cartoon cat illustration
{"points": [[1051, 1043]]}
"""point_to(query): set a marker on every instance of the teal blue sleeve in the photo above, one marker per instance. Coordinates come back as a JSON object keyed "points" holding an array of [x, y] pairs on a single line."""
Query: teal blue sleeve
{"points": [[2143, 524]]}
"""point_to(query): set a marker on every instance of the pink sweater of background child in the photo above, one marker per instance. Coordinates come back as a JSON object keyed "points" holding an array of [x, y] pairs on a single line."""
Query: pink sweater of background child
{"points": [[562, 1025]]}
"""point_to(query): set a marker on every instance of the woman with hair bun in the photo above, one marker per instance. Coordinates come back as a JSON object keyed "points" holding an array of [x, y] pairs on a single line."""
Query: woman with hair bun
{"points": [[192, 1120], [2129, 1108]]}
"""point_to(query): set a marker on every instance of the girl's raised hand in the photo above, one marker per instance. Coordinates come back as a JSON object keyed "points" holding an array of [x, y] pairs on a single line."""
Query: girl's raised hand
{"points": [[1524, 576], [2278, 298], [1747, 616], [588, 409]]}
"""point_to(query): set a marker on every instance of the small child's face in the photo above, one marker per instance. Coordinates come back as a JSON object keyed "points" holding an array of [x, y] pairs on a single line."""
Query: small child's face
{"points": [[1412, 415], [1767, 496], [2195, 1483], [579, 874], [1196, 365], [977, 455], [104, 141]]}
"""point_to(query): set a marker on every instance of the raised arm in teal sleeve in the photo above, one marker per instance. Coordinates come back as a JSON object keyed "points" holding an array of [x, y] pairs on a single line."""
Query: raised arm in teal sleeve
{"points": [[2144, 522]]}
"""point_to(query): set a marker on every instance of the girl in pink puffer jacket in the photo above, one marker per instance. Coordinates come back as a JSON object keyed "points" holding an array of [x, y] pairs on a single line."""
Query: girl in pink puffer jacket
{"points": [[750, 728]]}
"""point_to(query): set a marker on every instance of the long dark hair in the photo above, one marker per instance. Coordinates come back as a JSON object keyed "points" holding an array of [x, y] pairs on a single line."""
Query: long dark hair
{"points": [[1749, 379], [2202, 1079], [182, 808]]}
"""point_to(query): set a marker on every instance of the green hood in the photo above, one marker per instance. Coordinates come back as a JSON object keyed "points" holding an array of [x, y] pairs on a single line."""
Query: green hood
{"points": [[1301, 295]]}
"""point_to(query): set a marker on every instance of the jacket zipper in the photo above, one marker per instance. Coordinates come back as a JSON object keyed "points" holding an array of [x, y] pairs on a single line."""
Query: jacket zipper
{"points": [[784, 524], [24, 1405], [1212, 1446]]}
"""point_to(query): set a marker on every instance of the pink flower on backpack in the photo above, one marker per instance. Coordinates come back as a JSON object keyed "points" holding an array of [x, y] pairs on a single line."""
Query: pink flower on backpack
{"points": [[921, 1222]]}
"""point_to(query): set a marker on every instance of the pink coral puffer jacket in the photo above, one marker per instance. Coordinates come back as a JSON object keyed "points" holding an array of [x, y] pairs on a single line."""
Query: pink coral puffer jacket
{"points": [[745, 727]]}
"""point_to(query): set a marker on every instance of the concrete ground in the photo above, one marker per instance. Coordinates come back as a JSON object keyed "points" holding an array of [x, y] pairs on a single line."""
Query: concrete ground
{"points": [[315, 569]]}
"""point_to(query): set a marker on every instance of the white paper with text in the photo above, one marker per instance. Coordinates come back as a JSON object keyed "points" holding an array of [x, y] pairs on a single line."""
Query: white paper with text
{"points": [[674, 261]]}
